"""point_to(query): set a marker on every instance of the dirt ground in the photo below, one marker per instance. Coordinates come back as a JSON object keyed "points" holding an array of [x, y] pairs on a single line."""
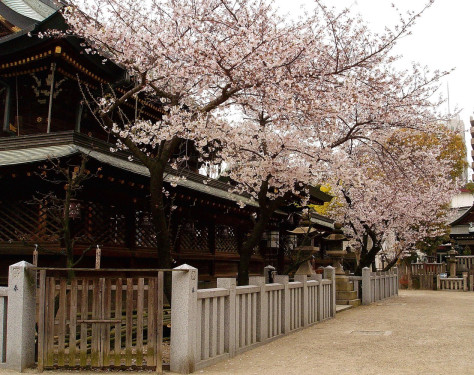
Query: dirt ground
{"points": [[419, 332]]}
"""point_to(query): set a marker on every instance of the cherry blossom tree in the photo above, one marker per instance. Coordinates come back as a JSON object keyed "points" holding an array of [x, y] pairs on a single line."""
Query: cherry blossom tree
{"points": [[399, 188], [280, 101]]}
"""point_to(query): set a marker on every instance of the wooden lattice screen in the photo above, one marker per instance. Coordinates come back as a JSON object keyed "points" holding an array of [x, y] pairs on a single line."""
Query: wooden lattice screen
{"points": [[23, 221], [101, 224], [194, 237], [226, 239], [144, 232]]}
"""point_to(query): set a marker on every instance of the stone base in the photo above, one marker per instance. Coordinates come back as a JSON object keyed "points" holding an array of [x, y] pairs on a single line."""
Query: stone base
{"points": [[345, 293], [353, 302]]}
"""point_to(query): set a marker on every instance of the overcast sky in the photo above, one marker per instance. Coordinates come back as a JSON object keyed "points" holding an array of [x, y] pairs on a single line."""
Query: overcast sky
{"points": [[441, 39]]}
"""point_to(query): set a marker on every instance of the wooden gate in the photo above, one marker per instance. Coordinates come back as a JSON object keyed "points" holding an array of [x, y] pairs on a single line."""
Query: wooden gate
{"points": [[100, 318]]}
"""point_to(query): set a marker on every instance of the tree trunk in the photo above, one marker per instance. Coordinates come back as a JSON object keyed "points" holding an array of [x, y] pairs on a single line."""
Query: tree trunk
{"points": [[367, 259], [163, 241], [392, 262], [250, 243]]}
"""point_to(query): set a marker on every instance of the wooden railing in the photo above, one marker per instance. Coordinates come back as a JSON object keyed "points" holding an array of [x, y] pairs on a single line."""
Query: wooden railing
{"points": [[464, 262], [427, 268]]}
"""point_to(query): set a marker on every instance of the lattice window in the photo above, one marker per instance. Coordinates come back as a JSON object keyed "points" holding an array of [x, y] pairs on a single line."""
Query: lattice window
{"points": [[23, 221], [194, 237], [104, 225], [226, 239], [144, 232]]}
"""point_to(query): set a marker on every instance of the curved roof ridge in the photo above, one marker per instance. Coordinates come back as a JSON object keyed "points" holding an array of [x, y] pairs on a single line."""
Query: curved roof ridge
{"points": [[34, 9]]}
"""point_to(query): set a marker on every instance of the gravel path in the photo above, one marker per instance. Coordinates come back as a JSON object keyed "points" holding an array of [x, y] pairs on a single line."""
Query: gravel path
{"points": [[419, 332]]}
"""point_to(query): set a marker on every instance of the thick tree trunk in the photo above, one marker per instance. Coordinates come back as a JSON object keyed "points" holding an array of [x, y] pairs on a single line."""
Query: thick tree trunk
{"points": [[249, 244], [163, 241], [367, 259], [392, 262]]}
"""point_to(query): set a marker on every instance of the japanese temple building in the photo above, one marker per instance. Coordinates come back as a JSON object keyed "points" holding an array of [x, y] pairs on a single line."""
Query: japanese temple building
{"points": [[42, 117]]}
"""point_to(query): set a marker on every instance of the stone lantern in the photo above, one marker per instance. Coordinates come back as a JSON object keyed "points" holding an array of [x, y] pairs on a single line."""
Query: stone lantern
{"points": [[306, 248], [452, 262], [335, 247]]}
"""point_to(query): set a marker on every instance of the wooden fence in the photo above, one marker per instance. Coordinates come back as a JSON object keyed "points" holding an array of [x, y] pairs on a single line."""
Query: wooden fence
{"points": [[378, 285], [227, 320], [111, 318], [424, 268], [464, 263]]}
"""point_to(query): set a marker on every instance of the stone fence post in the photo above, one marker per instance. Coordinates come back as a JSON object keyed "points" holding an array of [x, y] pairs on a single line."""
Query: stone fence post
{"points": [[366, 287], [330, 273], [184, 320], [21, 310], [303, 279], [262, 307], [397, 281], [229, 311], [464, 281], [284, 280]]}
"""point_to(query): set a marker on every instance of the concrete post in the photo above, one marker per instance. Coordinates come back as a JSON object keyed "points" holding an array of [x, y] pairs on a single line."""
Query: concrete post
{"points": [[438, 282], [21, 312], [229, 311], [183, 320], [395, 270], [262, 307], [330, 273], [464, 281], [366, 292], [304, 298], [284, 280]]}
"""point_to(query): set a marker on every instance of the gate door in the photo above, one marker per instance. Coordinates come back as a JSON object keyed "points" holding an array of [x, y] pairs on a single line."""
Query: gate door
{"points": [[100, 321]]}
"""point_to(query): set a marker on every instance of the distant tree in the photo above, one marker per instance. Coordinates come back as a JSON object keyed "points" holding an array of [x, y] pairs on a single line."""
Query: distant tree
{"points": [[403, 188]]}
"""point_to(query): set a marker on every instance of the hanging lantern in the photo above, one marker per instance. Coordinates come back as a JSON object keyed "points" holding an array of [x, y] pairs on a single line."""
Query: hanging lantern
{"points": [[74, 209]]}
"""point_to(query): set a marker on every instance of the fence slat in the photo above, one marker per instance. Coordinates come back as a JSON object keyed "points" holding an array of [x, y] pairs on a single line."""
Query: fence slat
{"points": [[50, 322], [213, 327], [95, 350], [106, 328], [118, 326], [139, 335], [72, 323], [62, 321], [151, 337], [159, 334], [220, 332], [84, 316], [129, 322]]}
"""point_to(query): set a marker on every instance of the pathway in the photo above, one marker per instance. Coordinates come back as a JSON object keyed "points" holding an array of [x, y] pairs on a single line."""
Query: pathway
{"points": [[419, 332]]}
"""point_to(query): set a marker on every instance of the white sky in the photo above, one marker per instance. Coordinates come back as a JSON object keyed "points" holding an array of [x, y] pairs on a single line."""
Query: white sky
{"points": [[441, 39]]}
